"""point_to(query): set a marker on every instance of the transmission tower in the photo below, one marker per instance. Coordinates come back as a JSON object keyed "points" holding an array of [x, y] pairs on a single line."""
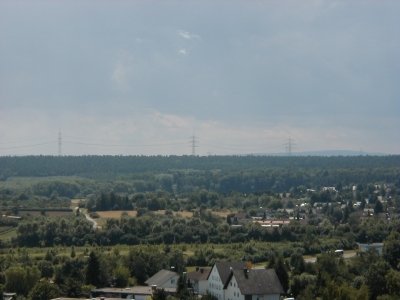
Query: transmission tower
{"points": [[194, 145], [289, 146], [59, 143]]}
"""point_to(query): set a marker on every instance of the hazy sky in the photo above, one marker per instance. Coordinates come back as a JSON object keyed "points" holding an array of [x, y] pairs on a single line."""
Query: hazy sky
{"points": [[142, 77]]}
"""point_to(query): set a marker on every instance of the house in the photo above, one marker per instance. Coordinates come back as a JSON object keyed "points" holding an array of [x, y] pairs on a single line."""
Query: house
{"points": [[110, 292], [273, 223], [164, 279], [142, 292], [378, 247], [329, 188], [198, 280], [253, 284], [219, 275], [135, 292]]}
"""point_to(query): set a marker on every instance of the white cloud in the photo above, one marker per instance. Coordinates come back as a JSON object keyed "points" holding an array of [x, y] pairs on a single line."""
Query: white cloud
{"points": [[187, 35], [122, 71], [183, 51], [172, 121]]}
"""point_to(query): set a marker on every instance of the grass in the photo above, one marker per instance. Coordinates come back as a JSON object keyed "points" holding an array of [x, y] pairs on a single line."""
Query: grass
{"points": [[7, 235], [116, 214]]}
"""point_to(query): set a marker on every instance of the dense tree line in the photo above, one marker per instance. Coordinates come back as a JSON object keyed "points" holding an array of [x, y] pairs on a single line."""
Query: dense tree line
{"points": [[112, 165], [203, 227], [136, 181]]}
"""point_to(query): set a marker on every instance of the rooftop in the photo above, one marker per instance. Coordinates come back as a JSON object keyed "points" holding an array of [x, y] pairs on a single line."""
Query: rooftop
{"points": [[257, 281]]}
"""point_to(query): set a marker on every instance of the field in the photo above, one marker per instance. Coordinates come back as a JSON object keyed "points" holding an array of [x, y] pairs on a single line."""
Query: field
{"points": [[50, 214], [6, 233], [116, 214]]}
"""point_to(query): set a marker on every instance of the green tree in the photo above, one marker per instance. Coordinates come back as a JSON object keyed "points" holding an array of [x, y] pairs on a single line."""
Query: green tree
{"points": [[297, 263], [44, 290], [281, 271], [121, 276], [378, 208], [93, 270], [391, 249], [300, 282], [46, 269], [21, 280], [160, 294], [376, 278], [393, 282]]}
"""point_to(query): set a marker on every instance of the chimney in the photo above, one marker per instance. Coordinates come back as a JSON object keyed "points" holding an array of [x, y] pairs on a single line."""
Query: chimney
{"points": [[246, 272]]}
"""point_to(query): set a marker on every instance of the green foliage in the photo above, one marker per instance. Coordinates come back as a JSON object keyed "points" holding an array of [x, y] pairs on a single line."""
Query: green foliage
{"points": [[44, 290], [300, 282], [20, 280], [391, 250], [93, 270], [121, 276], [160, 294], [46, 268], [297, 263], [376, 278], [393, 282], [278, 264], [202, 185]]}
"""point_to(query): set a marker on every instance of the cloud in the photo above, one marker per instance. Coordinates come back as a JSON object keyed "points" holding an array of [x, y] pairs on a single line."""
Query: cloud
{"points": [[172, 121], [322, 72], [183, 51], [187, 35], [122, 71]]}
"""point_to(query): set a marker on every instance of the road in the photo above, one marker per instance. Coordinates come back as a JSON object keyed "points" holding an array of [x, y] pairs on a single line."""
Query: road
{"points": [[91, 220], [75, 207], [346, 255]]}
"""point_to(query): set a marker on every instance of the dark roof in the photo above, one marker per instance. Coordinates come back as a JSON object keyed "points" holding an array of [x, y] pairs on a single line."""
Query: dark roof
{"points": [[224, 268], [112, 290], [160, 277], [200, 274], [257, 281]]}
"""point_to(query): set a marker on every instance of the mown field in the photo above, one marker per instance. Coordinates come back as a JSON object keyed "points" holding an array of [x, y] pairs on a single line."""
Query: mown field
{"points": [[116, 214]]}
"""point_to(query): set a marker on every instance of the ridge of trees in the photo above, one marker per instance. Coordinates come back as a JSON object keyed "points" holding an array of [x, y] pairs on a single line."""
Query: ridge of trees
{"points": [[97, 165]]}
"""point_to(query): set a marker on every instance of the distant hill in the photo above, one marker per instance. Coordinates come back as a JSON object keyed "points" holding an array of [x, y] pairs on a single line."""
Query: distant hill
{"points": [[333, 153]]}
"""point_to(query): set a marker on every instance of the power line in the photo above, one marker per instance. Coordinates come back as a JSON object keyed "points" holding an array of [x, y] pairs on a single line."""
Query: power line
{"points": [[27, 146], [122, 145]]}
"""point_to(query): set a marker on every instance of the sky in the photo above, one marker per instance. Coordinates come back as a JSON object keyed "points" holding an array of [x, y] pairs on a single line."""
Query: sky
{"points": [[237, 77]]}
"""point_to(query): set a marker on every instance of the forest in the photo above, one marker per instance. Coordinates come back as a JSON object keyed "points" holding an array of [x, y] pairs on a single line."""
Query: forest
{"points": [[123, 218]]}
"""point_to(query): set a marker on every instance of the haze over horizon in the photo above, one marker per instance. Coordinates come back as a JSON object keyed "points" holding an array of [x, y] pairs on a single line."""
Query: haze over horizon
{"points": [[143, 77]]}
